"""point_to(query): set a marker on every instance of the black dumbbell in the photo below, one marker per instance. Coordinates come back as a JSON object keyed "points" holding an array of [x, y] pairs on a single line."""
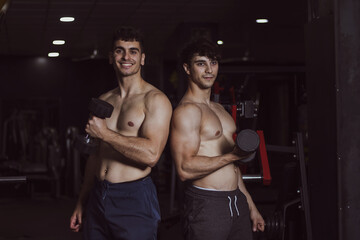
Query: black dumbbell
{"points": [[248, 142], [98, 108]]}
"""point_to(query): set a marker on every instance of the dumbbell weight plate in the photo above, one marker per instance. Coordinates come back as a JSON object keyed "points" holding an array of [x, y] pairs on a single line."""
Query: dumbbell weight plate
{"points": [[249, 158], [247, 140], [275, 226], [100, 108]]}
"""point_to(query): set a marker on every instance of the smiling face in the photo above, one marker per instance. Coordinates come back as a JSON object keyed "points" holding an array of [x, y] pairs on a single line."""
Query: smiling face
{"points": [[127, 57], [202, 71]]}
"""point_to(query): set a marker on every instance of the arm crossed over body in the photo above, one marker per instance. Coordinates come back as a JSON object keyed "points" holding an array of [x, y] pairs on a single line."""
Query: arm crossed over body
{"points": [[147, 147], [185, 142]]}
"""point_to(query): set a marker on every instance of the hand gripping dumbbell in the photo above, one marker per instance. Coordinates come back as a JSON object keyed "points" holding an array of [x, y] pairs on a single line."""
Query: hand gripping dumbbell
{"points": [[98, 108], [248, 142]]}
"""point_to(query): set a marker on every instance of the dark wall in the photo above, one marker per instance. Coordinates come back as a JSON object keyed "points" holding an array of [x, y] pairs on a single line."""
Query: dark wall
{"points": [[333, 57], [347, 39], [320, 66], [56, 89]]}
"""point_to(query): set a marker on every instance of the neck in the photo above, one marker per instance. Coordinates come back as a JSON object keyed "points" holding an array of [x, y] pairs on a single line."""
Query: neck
{"points": [[130, 84], [198, 95]]}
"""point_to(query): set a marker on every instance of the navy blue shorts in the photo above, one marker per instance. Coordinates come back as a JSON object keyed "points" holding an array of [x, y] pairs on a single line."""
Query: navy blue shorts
{"points": [[216, 215], [128, 210]]}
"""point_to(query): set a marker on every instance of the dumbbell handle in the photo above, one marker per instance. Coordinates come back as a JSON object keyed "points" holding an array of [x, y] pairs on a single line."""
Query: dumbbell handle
{"points": [[101, 109], [87, 138], [98, 108]]}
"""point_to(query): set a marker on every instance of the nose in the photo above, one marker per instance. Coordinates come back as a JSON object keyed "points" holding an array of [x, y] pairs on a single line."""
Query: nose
{"points": [[208, 69], [125, 55]]}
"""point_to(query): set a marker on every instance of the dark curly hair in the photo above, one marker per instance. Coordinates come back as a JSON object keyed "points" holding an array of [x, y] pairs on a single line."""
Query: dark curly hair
{"points": [[127, 33], [202, 47]]}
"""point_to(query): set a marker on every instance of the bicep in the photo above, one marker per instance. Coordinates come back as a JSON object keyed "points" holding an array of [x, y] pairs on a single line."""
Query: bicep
{"points": [[185, 135], [157, 122]]}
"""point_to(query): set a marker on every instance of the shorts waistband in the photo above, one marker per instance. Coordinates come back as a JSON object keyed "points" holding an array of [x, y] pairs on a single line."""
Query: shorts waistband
{"points": [[211, 193], [123, 185]]}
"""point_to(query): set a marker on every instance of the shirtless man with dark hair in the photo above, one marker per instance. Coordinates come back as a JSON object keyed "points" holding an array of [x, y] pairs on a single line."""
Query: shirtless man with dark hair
{"points": [[217, 204], [118, 198]]}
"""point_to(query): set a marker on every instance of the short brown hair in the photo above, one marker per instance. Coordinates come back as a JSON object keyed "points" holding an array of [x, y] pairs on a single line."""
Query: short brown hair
{"points": [[201, 47], [127, 33]]}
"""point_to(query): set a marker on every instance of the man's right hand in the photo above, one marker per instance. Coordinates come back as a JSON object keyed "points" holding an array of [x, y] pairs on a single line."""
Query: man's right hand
{"points": [[76, 220], [240, 153], [242, 157]]}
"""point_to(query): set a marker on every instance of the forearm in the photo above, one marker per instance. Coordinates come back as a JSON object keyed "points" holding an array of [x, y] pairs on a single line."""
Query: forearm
{"points": [[245, 192], [88, 182], [137, 149], [255, 216], [200, 166]]}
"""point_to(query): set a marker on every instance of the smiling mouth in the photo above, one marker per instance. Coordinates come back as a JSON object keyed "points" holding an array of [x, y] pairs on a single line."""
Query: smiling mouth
{"points": [[126, 64]]}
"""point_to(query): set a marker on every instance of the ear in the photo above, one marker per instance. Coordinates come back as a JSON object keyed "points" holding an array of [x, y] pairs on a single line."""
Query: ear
{"points": [[186, 68], [142, 59]]}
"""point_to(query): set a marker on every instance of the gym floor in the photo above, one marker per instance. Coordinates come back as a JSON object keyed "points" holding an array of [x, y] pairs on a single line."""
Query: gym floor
{"points": [[46, 218], [42, 217]]}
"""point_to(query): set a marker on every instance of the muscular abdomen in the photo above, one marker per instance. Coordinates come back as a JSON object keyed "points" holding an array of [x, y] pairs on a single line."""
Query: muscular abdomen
{"points": [[115, 168], [225, 178]]}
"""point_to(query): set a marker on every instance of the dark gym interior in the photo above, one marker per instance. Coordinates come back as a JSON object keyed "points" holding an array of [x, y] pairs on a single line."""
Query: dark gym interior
{"points": [[295, 79]]}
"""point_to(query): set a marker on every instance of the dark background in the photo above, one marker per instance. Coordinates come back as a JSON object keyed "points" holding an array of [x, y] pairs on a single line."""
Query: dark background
{"points": [[302, 68]]}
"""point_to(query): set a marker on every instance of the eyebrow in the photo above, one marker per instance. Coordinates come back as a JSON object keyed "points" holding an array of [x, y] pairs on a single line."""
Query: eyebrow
{"points": [[204, 61], [132, 49], [199, 61]]}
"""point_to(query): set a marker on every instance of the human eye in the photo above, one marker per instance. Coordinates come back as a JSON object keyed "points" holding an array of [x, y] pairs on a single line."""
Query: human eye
{"points": [[133, 52], [118, 51], [214, 62]]}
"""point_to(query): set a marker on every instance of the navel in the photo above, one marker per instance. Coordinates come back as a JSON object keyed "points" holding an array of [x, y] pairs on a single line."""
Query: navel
{"points": [[217, 133], [130, 123]]}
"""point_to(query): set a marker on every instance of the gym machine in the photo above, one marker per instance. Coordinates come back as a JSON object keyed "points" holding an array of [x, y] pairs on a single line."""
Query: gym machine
{"points": [[277, 224], [30, 153]]}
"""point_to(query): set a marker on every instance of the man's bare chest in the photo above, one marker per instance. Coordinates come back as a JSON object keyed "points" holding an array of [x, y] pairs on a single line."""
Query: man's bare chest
{"points": [[215, 124], [127, 116]]}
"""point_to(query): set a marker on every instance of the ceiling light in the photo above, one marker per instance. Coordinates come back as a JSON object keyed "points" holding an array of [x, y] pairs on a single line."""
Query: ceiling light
{"points": [[220, 42], [262, 20], [41, 60], [53, 54], [58, 42], [67, 19]]}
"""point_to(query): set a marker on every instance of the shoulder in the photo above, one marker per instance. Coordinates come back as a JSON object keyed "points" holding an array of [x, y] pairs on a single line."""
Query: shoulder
{"points": [[154, 94], [217, 105], [187, 112], [187, 106], [109, 94], [155, 97]]}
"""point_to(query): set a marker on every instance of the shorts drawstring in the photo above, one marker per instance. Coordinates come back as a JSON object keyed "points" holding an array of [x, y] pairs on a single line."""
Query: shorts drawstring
{"points": [[231, 212], [236, 208]]}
